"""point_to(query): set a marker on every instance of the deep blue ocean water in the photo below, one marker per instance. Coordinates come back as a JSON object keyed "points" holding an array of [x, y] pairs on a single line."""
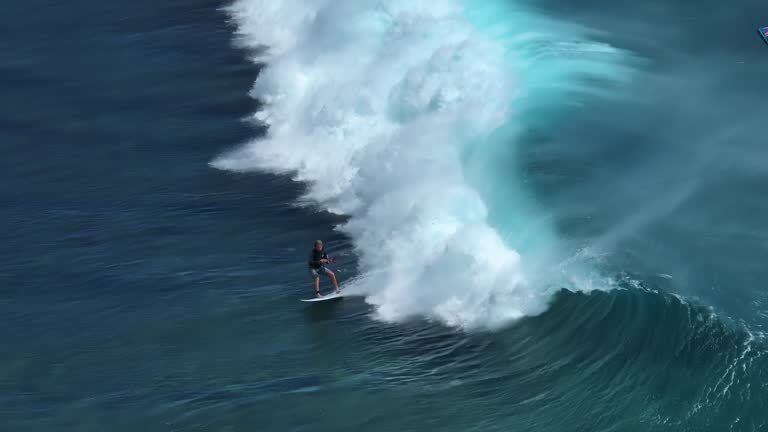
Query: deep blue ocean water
{"points": [[144, 288]]}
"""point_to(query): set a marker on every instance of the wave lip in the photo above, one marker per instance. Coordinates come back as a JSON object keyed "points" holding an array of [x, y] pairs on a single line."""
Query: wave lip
{"points": [[375, 107]]}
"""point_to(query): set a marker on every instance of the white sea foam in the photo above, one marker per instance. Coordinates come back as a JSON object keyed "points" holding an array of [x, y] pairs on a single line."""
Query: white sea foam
{"points": [[375, 104]]}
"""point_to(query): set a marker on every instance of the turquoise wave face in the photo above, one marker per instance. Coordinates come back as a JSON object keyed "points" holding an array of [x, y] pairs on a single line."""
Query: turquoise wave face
{"points": [[558, 71]]}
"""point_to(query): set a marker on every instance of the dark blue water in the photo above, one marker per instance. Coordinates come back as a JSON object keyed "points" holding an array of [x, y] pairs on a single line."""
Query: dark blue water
{"points": [[118, 234], [143, 289]]}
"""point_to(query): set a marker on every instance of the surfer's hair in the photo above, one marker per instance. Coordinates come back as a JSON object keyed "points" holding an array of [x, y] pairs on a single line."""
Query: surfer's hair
{"points": [[318, 242]]}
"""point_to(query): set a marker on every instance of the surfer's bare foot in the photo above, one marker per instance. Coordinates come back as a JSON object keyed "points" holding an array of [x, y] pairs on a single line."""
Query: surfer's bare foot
{"points": [[319, 295]]}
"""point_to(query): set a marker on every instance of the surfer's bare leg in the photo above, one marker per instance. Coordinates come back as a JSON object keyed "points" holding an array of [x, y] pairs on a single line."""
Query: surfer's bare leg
{"points": [[333, 279], [317, 286]]}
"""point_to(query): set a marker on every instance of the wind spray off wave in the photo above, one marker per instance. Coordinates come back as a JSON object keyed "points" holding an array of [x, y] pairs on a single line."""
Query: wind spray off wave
{"points": [[376, 104]]}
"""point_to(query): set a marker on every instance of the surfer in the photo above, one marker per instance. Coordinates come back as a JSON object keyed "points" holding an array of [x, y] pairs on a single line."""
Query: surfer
{"points": [[317, 261]]}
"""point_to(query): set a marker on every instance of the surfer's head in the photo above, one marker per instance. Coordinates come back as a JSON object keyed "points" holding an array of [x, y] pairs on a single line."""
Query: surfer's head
{"points": [[319, 244]]}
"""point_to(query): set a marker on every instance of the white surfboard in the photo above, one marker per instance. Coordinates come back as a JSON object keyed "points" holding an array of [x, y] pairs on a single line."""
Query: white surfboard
{"points": [[330, 296]]}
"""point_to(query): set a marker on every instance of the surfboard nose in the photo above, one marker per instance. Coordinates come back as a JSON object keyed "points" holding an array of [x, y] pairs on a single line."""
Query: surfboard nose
{"points": [[764, 33]]}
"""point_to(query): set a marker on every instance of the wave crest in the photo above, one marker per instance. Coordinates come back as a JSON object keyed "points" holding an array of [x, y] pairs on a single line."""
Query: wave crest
{"points": [[375, 107]]}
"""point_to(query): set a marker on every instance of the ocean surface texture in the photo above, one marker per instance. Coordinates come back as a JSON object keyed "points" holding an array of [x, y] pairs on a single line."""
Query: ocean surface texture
{"points": [[548, 215]]}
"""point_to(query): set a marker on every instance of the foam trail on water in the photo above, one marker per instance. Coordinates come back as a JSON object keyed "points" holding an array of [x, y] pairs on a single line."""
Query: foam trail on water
{"points": [[376, 105]]}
